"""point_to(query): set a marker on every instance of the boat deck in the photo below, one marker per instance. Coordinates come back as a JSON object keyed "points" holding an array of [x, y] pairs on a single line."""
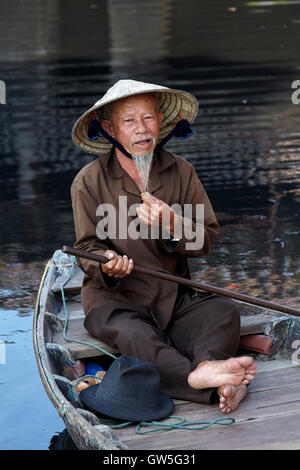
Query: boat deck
{"points": [[268, 418], [252, 323]]}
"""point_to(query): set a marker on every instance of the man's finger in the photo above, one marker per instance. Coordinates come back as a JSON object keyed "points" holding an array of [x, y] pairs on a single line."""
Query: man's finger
{"points": [[154, 209], [144, 214], [118, 267], [110, 255], [124, 267], [109, 264], [130, 268], [149, 199], [150, 217]]}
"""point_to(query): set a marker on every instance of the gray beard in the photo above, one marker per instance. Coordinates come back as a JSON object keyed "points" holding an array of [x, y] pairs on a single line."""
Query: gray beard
{"points": [[143, 165]]}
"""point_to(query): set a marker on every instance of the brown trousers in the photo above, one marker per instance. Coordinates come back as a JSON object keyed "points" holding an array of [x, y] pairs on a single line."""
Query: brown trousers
{"points": [[203, 327]]}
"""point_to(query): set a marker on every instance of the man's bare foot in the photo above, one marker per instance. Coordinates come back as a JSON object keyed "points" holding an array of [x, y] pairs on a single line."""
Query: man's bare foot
{"points": [[213, 374], [231, 396]]}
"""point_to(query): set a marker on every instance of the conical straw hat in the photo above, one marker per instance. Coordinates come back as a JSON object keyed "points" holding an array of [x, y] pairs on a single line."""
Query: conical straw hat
{"points": [[174, 104]]}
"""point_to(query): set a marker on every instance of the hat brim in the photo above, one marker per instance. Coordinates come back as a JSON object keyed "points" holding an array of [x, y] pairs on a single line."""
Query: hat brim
{"points": [[113, 408], [172, 103]]}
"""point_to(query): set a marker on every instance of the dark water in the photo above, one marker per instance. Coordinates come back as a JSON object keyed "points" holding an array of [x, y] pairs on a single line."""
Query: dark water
{"points": [[57, 58]]}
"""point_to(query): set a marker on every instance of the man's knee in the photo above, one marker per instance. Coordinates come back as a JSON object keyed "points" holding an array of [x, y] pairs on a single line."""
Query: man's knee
{"points": [[232, 308], [120, 328], [136, 338], [228, 306], [113, 316], [229, 312]]}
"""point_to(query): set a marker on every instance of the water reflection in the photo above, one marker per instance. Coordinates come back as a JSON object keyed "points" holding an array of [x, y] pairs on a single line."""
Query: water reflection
{"points": [[258, 251], [246, 150], [138, 30]]}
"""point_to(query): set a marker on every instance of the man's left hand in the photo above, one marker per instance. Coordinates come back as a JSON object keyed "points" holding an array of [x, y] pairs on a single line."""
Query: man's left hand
{"points": [[154, 211]]}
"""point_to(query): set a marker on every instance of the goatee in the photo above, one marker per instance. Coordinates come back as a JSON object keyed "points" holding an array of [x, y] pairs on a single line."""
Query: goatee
{"points": [[143, 165]]}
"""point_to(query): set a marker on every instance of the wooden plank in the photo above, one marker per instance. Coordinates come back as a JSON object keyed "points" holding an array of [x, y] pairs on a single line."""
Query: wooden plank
{"points": [[271, 432], [195, 440], [258, 343], [275, 365], [275, 378], [74, 285], [76, 331], [254, 319], [263, 386], [254, 324], [246, 309], [74, 309], [268, 418], [250, 324]]}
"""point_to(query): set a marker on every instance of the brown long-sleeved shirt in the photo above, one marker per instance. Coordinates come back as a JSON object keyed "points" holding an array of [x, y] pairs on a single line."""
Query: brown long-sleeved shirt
{"points": [[173, 180]]}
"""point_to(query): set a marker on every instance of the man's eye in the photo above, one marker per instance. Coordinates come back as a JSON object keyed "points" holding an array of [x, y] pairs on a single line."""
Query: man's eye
{"points": [[128, 120]]}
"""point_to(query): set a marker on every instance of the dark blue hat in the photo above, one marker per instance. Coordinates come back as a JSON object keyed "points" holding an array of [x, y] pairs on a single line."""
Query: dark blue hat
{"points": [[130, 391]]}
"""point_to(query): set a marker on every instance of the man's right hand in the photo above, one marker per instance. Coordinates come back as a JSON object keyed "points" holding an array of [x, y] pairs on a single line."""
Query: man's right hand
{"points": [[118, 266]]}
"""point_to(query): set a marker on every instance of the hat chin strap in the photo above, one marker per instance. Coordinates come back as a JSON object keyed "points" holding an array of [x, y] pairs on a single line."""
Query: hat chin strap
{"points": [[93, 134], [182, 130]]}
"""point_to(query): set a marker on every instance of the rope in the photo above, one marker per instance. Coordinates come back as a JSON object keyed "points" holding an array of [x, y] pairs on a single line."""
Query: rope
{"points": [[182, 424], [192, 425]]}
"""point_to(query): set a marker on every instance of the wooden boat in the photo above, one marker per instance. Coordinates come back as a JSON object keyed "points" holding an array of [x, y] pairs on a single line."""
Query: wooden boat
{"points": [[268, 418]]}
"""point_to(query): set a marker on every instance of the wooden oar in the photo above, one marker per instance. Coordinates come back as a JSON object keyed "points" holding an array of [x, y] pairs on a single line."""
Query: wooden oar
{"points": [[188, 282]]}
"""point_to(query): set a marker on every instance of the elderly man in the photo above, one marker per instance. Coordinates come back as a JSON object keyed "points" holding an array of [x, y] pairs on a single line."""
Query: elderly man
{"points": [[191, 336]]}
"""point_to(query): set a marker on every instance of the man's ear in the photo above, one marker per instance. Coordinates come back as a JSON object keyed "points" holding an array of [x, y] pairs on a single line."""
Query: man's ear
{"points": [[160, 117], [108, 127]]}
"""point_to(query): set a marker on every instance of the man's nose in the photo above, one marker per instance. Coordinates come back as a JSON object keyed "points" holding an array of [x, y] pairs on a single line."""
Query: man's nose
{"points": [[141, 126]]}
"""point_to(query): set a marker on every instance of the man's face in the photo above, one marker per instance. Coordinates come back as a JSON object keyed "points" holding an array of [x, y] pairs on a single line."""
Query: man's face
{"points": [[135, 123]]}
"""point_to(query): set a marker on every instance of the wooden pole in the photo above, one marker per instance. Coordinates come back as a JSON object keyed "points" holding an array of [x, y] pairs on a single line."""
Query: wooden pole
{"points": [[188, 282]]}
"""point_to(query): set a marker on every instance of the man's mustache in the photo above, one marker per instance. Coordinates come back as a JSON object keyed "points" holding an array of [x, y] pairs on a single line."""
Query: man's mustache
{"points": [[147, 137]]}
